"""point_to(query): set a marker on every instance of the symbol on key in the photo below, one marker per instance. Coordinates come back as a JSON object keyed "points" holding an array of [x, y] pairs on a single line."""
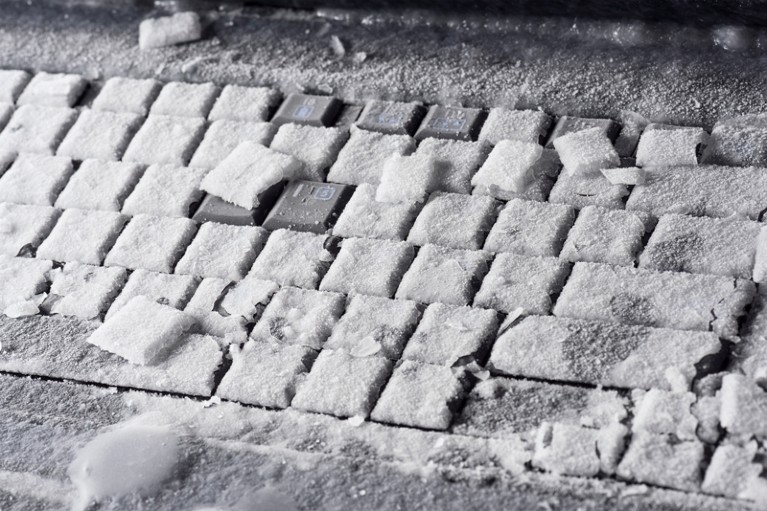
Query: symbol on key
{"points": [[303, 112], [308, 110], [308, 206], [324, 192]]}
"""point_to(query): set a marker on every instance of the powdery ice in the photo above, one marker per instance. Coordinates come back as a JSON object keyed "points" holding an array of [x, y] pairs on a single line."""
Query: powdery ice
{"points": [[248, 171], [127, 95], [100, 185], [82, 236], [454, 220], [36, 129], [362, 158], [315, 147], [173, 290], [586, 151], [293, 258], [151, 243], [163, 139], [182, 27], [35, 179], [457, 161], [371, 267], [24, 226], [365, 217], [664, 147], [99, 135], [248, 104], [520, 125], [21, 279], [606, 236], [407, 179], [83, 290], [530, 228], [56, 90], [224, 136]]}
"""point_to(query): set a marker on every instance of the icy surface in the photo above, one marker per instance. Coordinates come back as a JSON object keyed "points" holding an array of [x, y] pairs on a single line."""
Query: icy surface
{"points": [[22, 226], [371, 267], [665, 413], [586, 151], [292, 258], [530, 228], [299, 316], [362, 158], [151, 243], [127, 95], [515, 281], [21, 279], [185, 99], [224, 136], [248, 104], [224, 251], [454, 220], [12, 82], [173, 290], [165, 140], [457, 161], [82, 236], [165, 190], [342, 385], [593, 352], [35, 179], [654, 459], [443, 275], [448, 335], [315, 147], [661, 299], [664, 147], [101, 185], [521, 125], [373, 326], [365, 217], [182, 27], [248, 171], [83, 290], [509, 168], [142, 332], [99, 135], [407, 179], [36, 129], [606, 236], [57, 90]]}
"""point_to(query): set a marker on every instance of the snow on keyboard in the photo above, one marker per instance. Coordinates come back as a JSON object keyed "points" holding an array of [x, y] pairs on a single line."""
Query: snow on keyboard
{"points": [[425, 268]]}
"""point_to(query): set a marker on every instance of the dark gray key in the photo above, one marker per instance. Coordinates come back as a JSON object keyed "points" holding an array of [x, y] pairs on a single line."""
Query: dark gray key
{"points": [[451, 122], [568, 124], [309, 110], [308, 206], [391, 117], [349, 114], [216, 209]]}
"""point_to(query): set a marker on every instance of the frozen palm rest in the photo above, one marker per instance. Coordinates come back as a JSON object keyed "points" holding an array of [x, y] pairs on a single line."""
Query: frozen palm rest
{"points": [[179, 28]]}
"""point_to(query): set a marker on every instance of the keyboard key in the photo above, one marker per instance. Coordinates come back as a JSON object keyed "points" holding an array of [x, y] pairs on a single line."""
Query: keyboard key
{"points": [[308, 206], [165, 190], [84, 291], [451, 122], [370, 267], [223, 137], [391, 117], [606, 236], [374, 326], [530, 228], [292, 258], [698, 191], [407, 179], [529, 126], [661, 299], [421, 395], [100, 185], [342, 385], [575, 450], [36, 129], [569, 124], [264, 374], [21, 279], [12, 82], [185, 99], [348, 116], [362, 158], [586, 152], [165, 288], [164, 139], [498, 176], [247, 104], [670, 146], [454, 220], [364, 217], [248, 298], [702, 245], [299, 316], [583, 190], [315, 147], [82, 236], [182, 27], [99, 135], [597, 353], [35, 179], [658, 460], [457, 162], [308, 110], [55, 90], [448, 335], [23, 227], [151, 243], [661, 412], [740, 141], [216, 209], [127, 95]]}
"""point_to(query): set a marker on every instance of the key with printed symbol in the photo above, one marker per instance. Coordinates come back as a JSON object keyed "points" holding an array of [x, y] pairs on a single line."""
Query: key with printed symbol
{"points": [[308, 110], [451, 122], [391, 117], [308, 206]]}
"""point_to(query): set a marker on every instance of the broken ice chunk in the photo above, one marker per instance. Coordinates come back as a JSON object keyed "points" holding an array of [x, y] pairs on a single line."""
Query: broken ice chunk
{"points": [[663, 412], [625, 176], [587, 151], [670, 146], [249, 170], [180, 28], [142, 332], [509, 167], [407, 178]]}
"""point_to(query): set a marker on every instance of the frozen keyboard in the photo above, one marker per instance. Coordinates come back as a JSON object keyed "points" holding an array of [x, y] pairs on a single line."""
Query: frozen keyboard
{"points": [[590, 295]]}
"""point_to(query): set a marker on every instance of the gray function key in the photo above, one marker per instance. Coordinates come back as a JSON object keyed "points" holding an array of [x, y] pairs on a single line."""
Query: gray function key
{"points": [[391, 117], [308, 110], [451, 122], [216, 209], [308, 206], [568, 124]]}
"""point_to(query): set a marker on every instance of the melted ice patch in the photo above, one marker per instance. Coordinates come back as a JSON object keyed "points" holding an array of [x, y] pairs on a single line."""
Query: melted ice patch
{"points": [[134, 458]]}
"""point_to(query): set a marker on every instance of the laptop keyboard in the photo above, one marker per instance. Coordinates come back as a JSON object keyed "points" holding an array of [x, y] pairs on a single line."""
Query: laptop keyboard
{"points": [[432, 268]]}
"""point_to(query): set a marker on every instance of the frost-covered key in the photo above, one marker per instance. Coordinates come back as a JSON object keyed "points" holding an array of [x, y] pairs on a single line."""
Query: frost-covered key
{"points": [[102, 185], [99, 135], [362, 158], [587, 151], [520, 125], [82, 236], [23, 227], [509, 168], [12, 82], [457, 162], [247, 104], [740, 141], [364, 217], [151, 243], [165, 139], [185, 99], [83, 290], [225, 136], [407, 179], [57, 90], [181, 27], [530, 228], [670, 146], [702, 245], [36, 129], [581, 190], [315, 147], [165, 190], [35, 179], [599, 353], [173, 290], [293, 259], [661, 299], [567, 125], [127, 95], [21, 279], [454, 220]]}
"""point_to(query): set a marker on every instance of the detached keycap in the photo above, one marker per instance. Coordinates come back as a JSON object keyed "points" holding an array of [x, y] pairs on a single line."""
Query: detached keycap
{"points": [[568, 124], [309, 110], [451, 122], [216, 209], [308, 206], [391, 117]]}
